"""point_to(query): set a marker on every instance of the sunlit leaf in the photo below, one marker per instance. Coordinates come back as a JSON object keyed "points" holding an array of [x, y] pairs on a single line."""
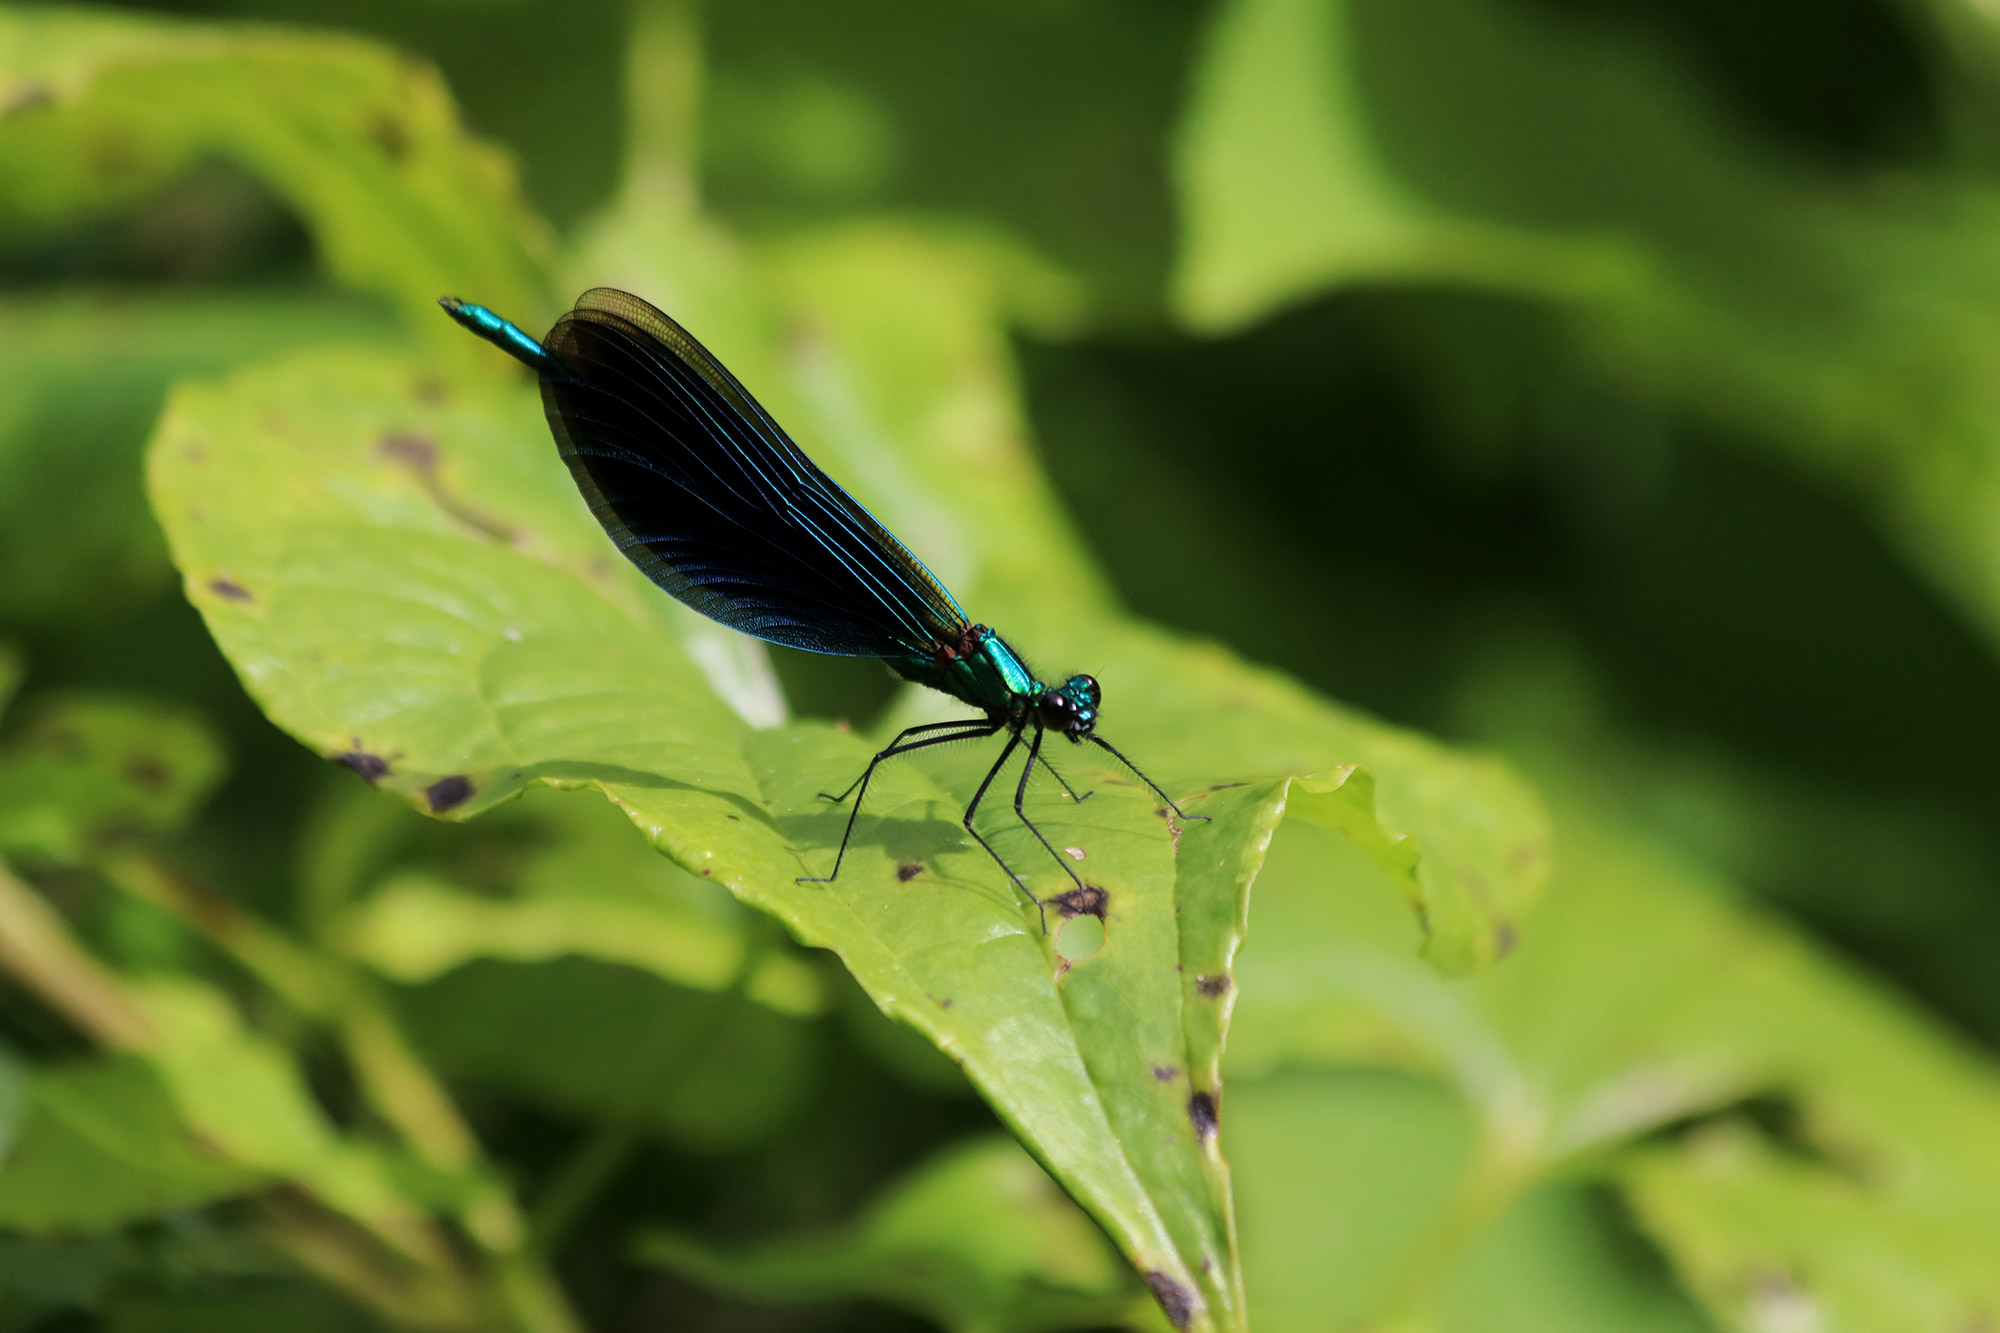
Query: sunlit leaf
{"points": [[397, 566]]}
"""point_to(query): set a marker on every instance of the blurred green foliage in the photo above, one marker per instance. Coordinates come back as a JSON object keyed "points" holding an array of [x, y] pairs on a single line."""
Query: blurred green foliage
{"points": [[1598, 383]]}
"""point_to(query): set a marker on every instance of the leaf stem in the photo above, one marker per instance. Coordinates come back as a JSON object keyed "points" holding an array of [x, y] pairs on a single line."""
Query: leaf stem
{"points": [[398, 1085], [37, 949], [663, 99]]}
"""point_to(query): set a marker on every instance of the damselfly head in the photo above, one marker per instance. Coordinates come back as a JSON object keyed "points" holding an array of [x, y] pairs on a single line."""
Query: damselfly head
{"points": [[1072, 709]]}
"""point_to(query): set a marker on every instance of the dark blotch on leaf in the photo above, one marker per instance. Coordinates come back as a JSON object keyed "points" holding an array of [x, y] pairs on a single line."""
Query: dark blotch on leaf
{"points": [[371, 766], [234, 592], [29, 97], [414, 450], [908, 871], [420, 456], [448, 793], [1212, 987], [1165, 1073], [1504, 941], [1202, 1111], [390, 136], [1086, 901], [1176, 1301], [148, 772]]}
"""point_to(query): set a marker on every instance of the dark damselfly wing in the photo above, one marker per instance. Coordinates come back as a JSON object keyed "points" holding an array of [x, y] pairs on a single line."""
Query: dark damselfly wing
{"points": [[703, 491]]}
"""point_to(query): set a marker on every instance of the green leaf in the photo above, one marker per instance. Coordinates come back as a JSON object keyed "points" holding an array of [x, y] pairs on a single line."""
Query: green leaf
{"points": [[88, 772], [363, 143], [617, 1045], [294, 1308], [1845, 318], [206, 1110], [1339, 1174], [243, 1096], [13, 667], [977, 1239], [44, 1276], [1564, 1260], [1643, 997], [396, 564], [1363, 1206], [13, 1099], [1765, 1236], [102, 1144], [589, 887], [84, 379]]}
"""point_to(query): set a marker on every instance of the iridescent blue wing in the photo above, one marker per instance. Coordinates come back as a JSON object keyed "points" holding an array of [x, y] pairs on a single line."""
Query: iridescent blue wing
{"points": [[703, 491]]}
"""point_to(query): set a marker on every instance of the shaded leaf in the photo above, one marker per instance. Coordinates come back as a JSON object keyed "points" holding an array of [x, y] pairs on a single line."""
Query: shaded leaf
{"points": [[1846, 318], [1642, 997], [363, 143], [13, 666], [1765, 1237], [84, 379], [613, 1044], [977, 1239], [590, 888], [102, 1144], [87, 772], [1363, 1205]]}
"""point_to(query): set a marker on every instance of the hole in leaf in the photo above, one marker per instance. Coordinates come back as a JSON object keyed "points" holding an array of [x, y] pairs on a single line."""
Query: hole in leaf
{"points": [[1079, 938]]}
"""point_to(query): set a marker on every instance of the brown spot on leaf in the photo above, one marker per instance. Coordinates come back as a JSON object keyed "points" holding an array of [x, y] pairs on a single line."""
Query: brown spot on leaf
{"points": [[1202, 1112], [1504, 941], [229, 590], [1165, 1073], [371, 766], [410, 450], [908, 871], [449, 793], [148, 772], [1086, 901], [390, 136], [28, 97], [1176, 1301], [1212, 988], [420, 456]]}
